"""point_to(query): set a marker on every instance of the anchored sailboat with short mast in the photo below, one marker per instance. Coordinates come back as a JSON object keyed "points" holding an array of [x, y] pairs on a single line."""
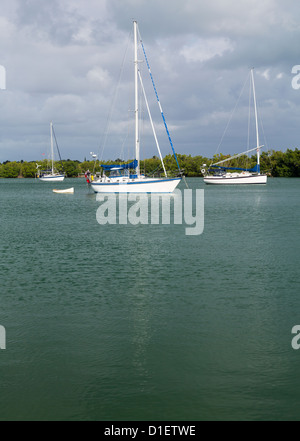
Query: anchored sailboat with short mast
{"points": [[51, 175], [127, 178], [235, 175]]}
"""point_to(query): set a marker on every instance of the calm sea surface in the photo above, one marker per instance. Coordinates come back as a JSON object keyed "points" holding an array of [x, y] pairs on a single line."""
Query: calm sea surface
{"points": [[124, 322]]}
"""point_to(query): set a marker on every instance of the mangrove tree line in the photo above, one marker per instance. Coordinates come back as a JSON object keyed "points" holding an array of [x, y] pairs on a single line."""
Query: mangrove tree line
{"points": [[274, 163]]}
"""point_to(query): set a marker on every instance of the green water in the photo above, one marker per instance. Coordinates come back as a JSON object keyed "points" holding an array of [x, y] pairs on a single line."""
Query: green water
{"points": [[124, 322]]}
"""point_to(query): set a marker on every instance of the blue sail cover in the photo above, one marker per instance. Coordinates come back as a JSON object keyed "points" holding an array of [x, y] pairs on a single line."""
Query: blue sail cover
{"points": [[128, 166], [255, 169]]}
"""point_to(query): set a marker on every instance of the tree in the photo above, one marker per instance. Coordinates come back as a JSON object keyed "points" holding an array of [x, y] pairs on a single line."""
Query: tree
{"points": [[275, 163], [71, 168], [10, 169]]}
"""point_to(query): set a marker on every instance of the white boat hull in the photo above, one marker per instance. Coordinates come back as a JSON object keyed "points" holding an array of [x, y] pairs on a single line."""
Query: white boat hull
{"points": [[52, 178], [233, 180], [135, 185], [64, 191]]}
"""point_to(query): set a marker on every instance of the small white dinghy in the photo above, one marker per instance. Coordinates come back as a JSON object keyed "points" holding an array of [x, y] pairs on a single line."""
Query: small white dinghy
{"points": [[64, 191]]}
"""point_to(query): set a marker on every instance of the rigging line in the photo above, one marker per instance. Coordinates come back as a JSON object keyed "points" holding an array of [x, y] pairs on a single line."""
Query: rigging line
{"points": [[142, 129], [153, 171], [186, 184], [261, 125], [249, 114], [123, 147], [232, 113], [57, 148], [109, 117], [263, 131], [160, 108], [249, 120], [152, 125]]}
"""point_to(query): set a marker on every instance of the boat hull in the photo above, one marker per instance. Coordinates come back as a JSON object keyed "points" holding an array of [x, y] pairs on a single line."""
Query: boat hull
{"points": [[64, 191], [52, 178], [136, 186], [234, 180]]}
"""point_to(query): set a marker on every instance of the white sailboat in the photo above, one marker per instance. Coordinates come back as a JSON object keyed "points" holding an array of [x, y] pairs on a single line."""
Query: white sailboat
{"points": [[234, 175], [51, 175], [126, 178]]}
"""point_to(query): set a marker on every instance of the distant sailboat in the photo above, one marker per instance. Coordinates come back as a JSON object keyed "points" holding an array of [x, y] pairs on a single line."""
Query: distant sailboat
{"points": [[51, 175], [126, 178], [233, 175]]}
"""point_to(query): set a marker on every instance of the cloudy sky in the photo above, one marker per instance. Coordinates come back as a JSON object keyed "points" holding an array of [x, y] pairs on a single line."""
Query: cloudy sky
{"points": [[70, 62]]}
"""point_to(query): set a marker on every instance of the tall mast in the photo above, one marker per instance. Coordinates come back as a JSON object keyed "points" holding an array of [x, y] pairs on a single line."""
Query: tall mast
{"points": [[256, 122], [136, 109], [52, 152]]}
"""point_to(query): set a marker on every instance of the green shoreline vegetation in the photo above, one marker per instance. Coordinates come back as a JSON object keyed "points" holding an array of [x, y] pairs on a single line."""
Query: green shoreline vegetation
{"points": [[274, 163]]}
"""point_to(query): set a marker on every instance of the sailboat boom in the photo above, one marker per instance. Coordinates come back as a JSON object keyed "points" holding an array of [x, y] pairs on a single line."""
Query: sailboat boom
{"points": [[236, 156]]}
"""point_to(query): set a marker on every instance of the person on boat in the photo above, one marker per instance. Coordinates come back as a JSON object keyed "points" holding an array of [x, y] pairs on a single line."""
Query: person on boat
{"points": [[88, 176]]}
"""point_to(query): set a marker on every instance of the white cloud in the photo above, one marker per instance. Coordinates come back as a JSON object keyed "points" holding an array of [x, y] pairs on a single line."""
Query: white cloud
{"points": [[7, 30], [83, 35], [64, 108], [98, 76], [63, 58], [200, 49], [266, 74]]}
